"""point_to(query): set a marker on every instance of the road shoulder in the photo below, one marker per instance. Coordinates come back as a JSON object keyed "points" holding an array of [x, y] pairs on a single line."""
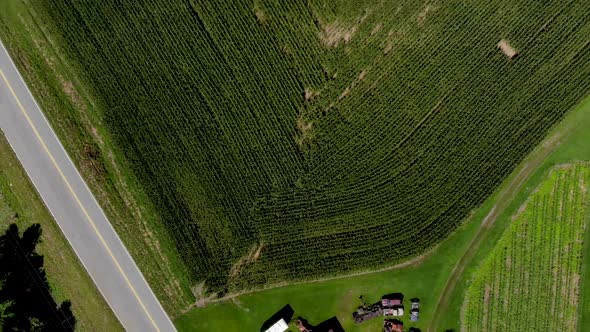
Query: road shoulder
{"points": [[66, 275]]}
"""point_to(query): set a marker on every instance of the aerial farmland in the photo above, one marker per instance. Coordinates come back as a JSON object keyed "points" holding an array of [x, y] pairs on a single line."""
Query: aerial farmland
{"points": [[251, 147]]}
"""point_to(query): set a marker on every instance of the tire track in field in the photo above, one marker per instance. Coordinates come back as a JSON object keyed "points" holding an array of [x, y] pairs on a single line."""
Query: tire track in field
{"points": [[505, 197]]}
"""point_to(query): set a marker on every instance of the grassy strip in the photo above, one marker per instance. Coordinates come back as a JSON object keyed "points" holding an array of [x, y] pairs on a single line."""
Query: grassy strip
{"points": [[66, 275], [573, 139], [584, 307], [73, 114]]}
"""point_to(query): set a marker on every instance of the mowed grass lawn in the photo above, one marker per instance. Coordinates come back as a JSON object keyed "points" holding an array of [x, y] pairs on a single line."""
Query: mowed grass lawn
{"points": [[322, 300], [20, 204]]}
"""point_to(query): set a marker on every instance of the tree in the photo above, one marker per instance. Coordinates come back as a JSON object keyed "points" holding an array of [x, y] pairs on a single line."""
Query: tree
{"points": [[26, 302]]}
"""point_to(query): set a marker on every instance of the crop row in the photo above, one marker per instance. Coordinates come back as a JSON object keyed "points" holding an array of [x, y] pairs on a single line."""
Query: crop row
{"points": [[412, 119], [531, 279]]}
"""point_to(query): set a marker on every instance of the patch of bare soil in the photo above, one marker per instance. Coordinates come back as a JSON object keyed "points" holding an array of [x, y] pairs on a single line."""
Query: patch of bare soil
{"points": [[378, 27], [486, 302], [388, 47], [253, 255], [362, 75], [260, 16], [424, 14], [257, 253], [344, 93], [334, 33], [304, 131], [309, 94], [200, 292], [507, 49]]}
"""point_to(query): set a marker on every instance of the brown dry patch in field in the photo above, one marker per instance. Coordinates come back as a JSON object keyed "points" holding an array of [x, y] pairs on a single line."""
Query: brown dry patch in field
{"points": [[508, 262], [486, 303], [70, 91], [574, 296], [333, 33], [200, 293], [362, 75], [507, 49], [309, 94], [424, 14], [344, 93], [378, 27], [96, 135], [582, 186], [388, 47], [92, 161], [260, 15], [253, 254], [257, 253], [304, 131]]}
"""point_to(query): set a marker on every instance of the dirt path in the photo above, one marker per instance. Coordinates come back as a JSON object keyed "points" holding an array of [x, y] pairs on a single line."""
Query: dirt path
{"points": [[505, 196]]}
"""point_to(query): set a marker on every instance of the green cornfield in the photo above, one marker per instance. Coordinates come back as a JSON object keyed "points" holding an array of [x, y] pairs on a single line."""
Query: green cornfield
{"points": [[531, 280], [298, 139]]}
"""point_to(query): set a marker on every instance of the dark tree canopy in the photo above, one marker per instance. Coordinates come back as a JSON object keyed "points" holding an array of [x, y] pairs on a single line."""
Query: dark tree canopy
{"points": [[26, 303]]}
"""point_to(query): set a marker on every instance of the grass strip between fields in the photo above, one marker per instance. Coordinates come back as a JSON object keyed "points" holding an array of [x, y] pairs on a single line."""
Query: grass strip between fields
{"points": [[568, 142], [531, 279]]}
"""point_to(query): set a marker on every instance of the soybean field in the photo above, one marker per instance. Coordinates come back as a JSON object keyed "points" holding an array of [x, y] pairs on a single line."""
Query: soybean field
{"points": [[531, 280], [293, 140]]}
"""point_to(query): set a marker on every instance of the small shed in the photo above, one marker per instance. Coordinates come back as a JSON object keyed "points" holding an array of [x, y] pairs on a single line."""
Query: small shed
{"points": [[279, 326], [508, 50]]}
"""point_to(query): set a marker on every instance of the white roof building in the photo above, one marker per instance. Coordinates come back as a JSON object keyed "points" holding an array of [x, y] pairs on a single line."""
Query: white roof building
{"points": [[280, 326]]}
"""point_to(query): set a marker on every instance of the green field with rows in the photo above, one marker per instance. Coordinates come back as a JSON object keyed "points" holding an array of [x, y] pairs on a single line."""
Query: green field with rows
{"points": [[291, 140], [532, 278]]}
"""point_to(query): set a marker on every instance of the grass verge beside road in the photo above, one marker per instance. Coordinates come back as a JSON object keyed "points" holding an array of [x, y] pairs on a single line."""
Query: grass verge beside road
{"points": [[66, 275], [61, 92]]}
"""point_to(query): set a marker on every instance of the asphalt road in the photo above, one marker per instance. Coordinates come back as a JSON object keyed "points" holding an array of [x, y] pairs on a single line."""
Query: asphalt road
{"points": [[74, 207]]}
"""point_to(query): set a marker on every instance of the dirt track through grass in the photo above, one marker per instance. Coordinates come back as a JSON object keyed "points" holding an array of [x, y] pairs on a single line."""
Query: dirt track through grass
{"points": [[505, 196]]}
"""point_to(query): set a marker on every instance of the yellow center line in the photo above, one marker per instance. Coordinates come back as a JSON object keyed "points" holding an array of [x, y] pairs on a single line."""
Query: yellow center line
{"points": [[102, 240]]}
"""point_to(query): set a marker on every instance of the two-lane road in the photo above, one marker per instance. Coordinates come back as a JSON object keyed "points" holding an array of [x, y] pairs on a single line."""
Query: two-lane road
{"points": [[74, 207]]}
